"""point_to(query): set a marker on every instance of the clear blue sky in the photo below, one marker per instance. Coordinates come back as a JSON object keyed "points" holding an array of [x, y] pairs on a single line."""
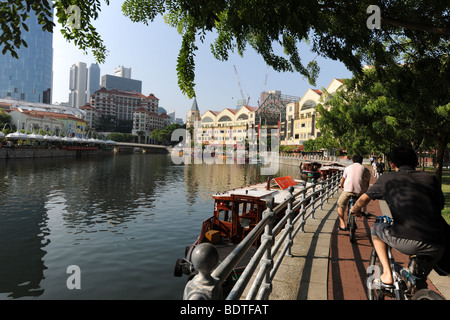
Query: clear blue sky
{"points": [[151, 51]]}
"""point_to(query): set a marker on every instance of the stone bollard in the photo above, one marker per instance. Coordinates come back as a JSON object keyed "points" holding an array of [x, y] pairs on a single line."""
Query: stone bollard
{"points": [[203, 286]]}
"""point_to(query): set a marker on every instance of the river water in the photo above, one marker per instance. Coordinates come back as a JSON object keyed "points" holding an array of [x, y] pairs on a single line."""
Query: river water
{"points": [[122, 220]]}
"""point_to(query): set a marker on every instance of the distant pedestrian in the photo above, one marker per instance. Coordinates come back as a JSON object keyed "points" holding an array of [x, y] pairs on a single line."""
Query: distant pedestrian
{"points": [[380, 167], [374, 167]]}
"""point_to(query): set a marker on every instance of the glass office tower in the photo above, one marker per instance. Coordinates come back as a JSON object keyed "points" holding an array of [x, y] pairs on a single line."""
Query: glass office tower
{"points": [[29, 78]]}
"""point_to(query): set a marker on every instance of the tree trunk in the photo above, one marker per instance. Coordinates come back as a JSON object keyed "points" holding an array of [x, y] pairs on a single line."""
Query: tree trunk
{"points": [[442, 145]]}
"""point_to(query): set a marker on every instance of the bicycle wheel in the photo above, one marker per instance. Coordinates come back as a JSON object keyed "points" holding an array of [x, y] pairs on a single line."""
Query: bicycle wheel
{"points": [[374, 271], [351, 222], [427, 294]]}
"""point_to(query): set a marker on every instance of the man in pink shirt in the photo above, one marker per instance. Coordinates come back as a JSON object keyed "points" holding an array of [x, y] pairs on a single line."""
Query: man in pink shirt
{"points": [[355, 182]]}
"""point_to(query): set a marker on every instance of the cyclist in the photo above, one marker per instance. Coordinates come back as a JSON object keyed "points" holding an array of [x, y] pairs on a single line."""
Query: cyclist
{"points": [[415, 200], [355, 181]]}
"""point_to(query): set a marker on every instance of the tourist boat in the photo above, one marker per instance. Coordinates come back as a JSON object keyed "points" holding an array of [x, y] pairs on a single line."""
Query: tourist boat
{"points": [[236, 213], [309, 171], [315, 171], [329, 169]]}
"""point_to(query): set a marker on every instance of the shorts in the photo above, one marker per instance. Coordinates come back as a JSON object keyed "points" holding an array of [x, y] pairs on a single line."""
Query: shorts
{"points": [[430, 252], [345, 197]]}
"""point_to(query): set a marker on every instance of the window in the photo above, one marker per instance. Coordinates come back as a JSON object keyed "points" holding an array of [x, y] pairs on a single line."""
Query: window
{"points": [[207, 120], [225, 119], [308, 105]]}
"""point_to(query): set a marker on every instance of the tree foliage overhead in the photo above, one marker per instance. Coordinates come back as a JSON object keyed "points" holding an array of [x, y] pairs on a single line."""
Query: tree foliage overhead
{"points": [[77, 24], [334, 29], [379, 109]]}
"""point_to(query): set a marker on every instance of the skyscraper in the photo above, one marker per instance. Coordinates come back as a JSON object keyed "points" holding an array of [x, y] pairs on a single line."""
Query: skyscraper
{"points": [[122, 72], [83, 83], [29, 77], [78, 84], [111, 82], [93, 80]]}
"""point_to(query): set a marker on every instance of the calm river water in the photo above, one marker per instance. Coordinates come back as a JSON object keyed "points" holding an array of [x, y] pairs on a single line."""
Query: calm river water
{"points": [[123, 220]]}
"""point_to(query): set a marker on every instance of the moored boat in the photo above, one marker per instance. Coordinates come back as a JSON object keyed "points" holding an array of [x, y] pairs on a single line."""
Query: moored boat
{"points": [[236, 213]]}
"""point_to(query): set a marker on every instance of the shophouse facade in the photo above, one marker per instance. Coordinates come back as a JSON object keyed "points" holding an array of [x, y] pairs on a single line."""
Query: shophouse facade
{"points": [[231, 126], [58, 123]]}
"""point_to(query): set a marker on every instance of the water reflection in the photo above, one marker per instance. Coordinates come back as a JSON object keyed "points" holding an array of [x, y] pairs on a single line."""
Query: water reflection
{"points": [[123, 219]]}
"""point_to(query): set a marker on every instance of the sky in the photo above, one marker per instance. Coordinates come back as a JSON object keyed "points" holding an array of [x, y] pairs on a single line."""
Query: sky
{"points": [[151, 51]]}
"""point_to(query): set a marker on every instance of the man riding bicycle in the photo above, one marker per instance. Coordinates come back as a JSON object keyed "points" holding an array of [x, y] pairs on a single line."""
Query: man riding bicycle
{"points": [[355, 181], [415, 200]]}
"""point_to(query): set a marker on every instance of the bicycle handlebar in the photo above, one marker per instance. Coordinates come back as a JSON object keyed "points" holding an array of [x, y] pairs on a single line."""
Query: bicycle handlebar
{"points": [[383, 218], [365, 214]]}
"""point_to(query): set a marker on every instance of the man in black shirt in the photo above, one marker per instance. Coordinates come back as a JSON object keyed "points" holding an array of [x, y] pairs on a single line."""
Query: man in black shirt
{"points": [[380, 167], [415, 200]]}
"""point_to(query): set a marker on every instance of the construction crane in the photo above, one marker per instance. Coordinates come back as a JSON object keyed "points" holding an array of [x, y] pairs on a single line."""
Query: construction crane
{"points": [[240, 87], [267, 76]]}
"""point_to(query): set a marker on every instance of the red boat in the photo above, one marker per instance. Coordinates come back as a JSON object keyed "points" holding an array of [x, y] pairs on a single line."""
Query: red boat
{"points": [[236, 213]]}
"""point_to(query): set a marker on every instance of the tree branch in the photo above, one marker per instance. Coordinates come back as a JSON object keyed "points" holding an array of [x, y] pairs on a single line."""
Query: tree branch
{"points": [[416, 26]]}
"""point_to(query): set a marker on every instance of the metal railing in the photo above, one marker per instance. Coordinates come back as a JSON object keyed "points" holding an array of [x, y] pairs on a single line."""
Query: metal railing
{"points": [[207, 284]]}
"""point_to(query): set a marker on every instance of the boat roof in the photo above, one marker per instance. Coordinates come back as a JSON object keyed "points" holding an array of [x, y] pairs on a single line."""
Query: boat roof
{"points": [[332, 168], [278, 189]]}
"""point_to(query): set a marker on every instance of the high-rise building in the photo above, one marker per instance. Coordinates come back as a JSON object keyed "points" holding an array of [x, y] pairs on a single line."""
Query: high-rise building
{"points": [[110, 82], [93, 80], [83, 83], [122, 72], [30, 76], [78, 84]]}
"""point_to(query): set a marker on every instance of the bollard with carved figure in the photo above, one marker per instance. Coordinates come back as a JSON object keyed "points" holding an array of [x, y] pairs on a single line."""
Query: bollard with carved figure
{"points": [[203, 286]]}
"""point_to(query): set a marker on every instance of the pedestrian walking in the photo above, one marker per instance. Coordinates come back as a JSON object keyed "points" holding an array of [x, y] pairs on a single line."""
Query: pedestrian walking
{"points": [[380, 167]]}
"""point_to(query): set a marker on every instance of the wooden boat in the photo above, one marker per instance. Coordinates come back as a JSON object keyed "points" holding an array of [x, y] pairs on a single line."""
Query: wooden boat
{"points": [[236, 213], [309, 171], [315, 171]]}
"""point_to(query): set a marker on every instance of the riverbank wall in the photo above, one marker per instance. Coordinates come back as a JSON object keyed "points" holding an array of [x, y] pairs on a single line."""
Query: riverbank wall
{"points": [[31, 153], [297, 160]]}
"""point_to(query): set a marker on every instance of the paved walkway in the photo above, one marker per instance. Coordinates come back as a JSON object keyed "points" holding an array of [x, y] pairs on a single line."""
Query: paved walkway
{"points": [[326, 266], [348, 262]]}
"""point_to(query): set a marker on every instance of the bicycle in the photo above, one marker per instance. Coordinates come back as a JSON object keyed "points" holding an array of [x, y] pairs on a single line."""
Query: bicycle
{"points": [[351, 219], [405, 279]]}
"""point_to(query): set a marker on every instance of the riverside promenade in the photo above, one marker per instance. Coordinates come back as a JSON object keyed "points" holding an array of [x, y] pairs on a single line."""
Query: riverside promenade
{"points": [[326, 266]]}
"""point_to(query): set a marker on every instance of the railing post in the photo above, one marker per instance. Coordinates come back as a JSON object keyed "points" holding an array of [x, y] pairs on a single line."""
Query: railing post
{"points": [[313, 199], [321, 184], [302, 209], [267, 261], [203, 286], [289, 226], [333, 183]]}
